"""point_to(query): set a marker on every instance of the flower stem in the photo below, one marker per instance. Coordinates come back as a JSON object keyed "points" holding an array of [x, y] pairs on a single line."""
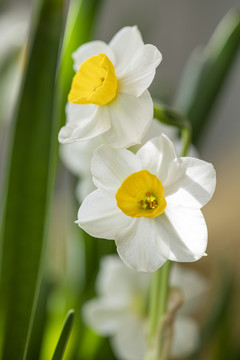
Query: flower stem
{"points": [[158, 307], [186, 135]]}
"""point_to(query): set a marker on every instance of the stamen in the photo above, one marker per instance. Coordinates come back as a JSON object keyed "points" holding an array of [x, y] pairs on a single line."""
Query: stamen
{"points": [[148, 201]]}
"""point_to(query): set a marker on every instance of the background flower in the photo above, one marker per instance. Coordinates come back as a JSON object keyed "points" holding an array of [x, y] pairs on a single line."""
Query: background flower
{"points": [[121, 309]]}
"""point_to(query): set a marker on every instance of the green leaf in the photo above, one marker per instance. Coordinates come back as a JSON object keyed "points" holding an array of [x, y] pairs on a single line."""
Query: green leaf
{"points": [[62, 342], [206, 73], [40, 320], [29, 182]]}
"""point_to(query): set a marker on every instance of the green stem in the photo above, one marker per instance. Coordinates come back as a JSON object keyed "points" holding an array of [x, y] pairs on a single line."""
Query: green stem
{"points": [[164, 285], [158, 308], [186, 134]]}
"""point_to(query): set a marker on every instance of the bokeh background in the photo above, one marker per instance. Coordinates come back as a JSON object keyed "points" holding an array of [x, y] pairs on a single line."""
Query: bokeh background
{"points": [[176, 27]]}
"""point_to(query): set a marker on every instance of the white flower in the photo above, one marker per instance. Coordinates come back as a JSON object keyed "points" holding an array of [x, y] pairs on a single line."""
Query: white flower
{"points": [[109, 91], [120, 311], [149, 203]]}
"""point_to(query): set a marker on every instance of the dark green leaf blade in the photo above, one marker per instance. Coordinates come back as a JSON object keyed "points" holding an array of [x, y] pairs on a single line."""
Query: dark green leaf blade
{"points": [[62, 342], [28, 184]]}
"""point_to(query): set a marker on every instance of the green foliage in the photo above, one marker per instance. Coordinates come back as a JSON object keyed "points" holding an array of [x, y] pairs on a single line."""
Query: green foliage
{"points": [[62, 342], [28, 182]]}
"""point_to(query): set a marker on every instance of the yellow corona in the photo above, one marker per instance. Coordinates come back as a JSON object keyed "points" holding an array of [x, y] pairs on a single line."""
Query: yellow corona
{"points": [[141, 194], [95, 82]]}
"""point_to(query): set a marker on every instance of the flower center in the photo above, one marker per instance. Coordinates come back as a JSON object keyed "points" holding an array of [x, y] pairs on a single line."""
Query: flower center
{"points": [[148, 201], [141, 194], [95, 82]]}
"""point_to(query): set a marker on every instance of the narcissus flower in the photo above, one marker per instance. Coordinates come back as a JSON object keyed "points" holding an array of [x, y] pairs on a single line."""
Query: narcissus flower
{"points": [[109, 91], [149, 203], [120, 311]]}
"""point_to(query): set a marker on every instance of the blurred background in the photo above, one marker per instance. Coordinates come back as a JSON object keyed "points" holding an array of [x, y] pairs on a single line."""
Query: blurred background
{"points": [[176, 27]]}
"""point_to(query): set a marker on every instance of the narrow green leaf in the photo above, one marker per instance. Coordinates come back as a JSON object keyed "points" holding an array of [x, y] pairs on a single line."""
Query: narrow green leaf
{"points": [[206, 72], [62, 342], [39, 321], [29, 182]]}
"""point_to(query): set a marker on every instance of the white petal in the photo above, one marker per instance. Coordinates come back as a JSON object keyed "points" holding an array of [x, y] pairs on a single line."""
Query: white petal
{"points": [[77, 156], [156, 129], [74, 112], [100, 216], [187, 232], [193, 287], [141, 246], [84, 187], [104, 315], [139, 73], [124, 45], [90, 49], [186, 337], [190, 182], [156, 156], [72, 155], [110, 167], [116, 280], [129, 342], [81, 129], [131, 118]]}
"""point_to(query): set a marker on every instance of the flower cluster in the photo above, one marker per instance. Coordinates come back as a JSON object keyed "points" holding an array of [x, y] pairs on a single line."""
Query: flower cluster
{"points": [[147, 198], [149, 202]]}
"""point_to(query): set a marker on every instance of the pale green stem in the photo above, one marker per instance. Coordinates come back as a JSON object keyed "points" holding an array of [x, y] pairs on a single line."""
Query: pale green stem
{"points": [[158, 308], [186, 134], [158, 297]]}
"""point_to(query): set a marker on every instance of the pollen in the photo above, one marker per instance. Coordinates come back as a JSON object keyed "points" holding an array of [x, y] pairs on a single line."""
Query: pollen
{"points": [[95, 82], [141, 194], [148, 201]]}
